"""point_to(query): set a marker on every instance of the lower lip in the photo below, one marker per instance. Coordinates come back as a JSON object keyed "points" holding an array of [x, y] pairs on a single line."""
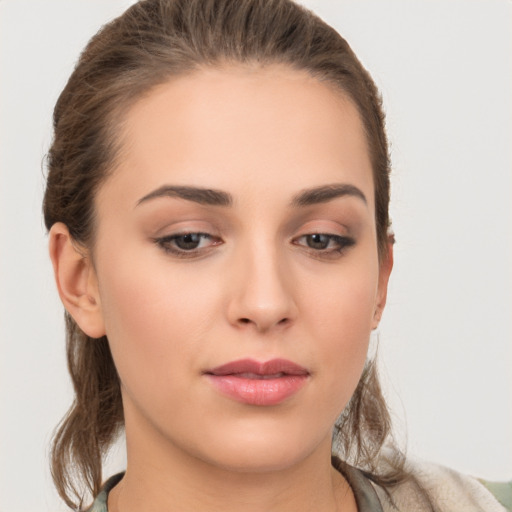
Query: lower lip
{"points": [[258, 391]]}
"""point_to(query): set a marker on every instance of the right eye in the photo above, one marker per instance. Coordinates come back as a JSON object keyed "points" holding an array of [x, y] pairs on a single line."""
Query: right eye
{"points": [[187, 244]]}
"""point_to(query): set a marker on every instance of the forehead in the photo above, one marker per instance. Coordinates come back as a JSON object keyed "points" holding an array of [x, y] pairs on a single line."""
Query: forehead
{"points": [[262, 128]]}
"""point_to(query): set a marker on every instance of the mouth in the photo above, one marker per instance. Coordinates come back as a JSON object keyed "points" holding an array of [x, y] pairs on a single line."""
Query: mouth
{"points": [[258, 383]]}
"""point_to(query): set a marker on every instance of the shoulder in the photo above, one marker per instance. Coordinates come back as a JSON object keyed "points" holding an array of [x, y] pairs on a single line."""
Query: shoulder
{"points": [[437, 488]]}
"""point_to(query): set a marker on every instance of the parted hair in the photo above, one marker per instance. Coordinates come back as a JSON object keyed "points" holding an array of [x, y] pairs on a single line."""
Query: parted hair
{"points": [[153, 41]]}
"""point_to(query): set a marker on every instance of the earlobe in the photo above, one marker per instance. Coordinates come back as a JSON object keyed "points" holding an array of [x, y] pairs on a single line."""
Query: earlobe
{"points": [[386, 266], [76, 281]]}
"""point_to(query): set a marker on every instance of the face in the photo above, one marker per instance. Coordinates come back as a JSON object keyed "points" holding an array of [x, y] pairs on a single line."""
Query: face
{"points": [[236, 266]]}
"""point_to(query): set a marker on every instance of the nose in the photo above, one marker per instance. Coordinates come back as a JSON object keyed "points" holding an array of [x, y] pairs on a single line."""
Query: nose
{"points": [[262, 296]]}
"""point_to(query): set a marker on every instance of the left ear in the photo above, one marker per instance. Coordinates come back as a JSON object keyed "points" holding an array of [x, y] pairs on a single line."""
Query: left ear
{"points": [[385, 267]]}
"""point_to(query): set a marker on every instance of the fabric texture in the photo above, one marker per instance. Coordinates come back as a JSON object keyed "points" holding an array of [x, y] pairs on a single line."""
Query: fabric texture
{"points": [[436, 488]]}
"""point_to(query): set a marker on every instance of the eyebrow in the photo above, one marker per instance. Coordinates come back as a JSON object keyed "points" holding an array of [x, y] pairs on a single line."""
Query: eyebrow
{"points": [[213, 197], [199, 195], [326, 193]]}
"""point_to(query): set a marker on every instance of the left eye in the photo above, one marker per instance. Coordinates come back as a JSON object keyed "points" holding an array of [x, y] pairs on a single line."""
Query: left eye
{"points": [[189, 241], [324, 242]]}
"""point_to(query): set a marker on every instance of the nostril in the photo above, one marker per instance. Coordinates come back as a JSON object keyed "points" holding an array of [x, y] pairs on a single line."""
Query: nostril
{"points": [[246, 321]]}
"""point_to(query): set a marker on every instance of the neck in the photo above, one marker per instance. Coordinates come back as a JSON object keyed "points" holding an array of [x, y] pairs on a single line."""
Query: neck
{"points": [[167, 479]]}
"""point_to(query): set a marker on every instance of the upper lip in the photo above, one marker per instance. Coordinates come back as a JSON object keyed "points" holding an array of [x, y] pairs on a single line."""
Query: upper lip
{"points": [[250, 366]]}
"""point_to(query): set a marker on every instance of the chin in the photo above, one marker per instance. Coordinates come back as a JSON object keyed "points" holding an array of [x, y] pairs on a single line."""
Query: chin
{"points": [[254, 449], [245, 460]]}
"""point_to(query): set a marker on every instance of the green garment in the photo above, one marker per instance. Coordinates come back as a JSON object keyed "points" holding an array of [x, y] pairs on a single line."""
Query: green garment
{"points": [[502, 492]]}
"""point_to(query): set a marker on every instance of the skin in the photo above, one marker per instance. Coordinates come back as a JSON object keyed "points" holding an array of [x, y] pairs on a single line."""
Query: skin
{"points": [[255, 287]]}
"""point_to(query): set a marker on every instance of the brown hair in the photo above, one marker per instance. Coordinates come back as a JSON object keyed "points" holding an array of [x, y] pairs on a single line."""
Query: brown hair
{"points": [[151, 42]]}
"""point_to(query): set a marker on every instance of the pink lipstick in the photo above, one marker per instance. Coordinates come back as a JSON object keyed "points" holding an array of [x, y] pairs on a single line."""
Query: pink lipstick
{"points": [[256, 383]]}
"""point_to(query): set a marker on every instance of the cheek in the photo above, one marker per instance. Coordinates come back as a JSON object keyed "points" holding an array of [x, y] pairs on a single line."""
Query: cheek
{"points": [[341, 315], [155, 318], [132, 305]]}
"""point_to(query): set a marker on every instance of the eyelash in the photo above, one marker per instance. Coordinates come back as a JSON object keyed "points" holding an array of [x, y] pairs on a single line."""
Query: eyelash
{"points": [[168, 244], [342, 243]]}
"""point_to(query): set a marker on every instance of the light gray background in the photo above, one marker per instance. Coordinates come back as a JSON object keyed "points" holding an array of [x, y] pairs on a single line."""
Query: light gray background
{"points": [[444, 68]]}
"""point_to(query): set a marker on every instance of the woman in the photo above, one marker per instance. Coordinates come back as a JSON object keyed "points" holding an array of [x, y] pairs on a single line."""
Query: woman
{"points": [[217, 202]]}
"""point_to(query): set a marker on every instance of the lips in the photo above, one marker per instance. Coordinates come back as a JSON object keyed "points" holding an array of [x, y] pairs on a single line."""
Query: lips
{"points": [[258, 383]]}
